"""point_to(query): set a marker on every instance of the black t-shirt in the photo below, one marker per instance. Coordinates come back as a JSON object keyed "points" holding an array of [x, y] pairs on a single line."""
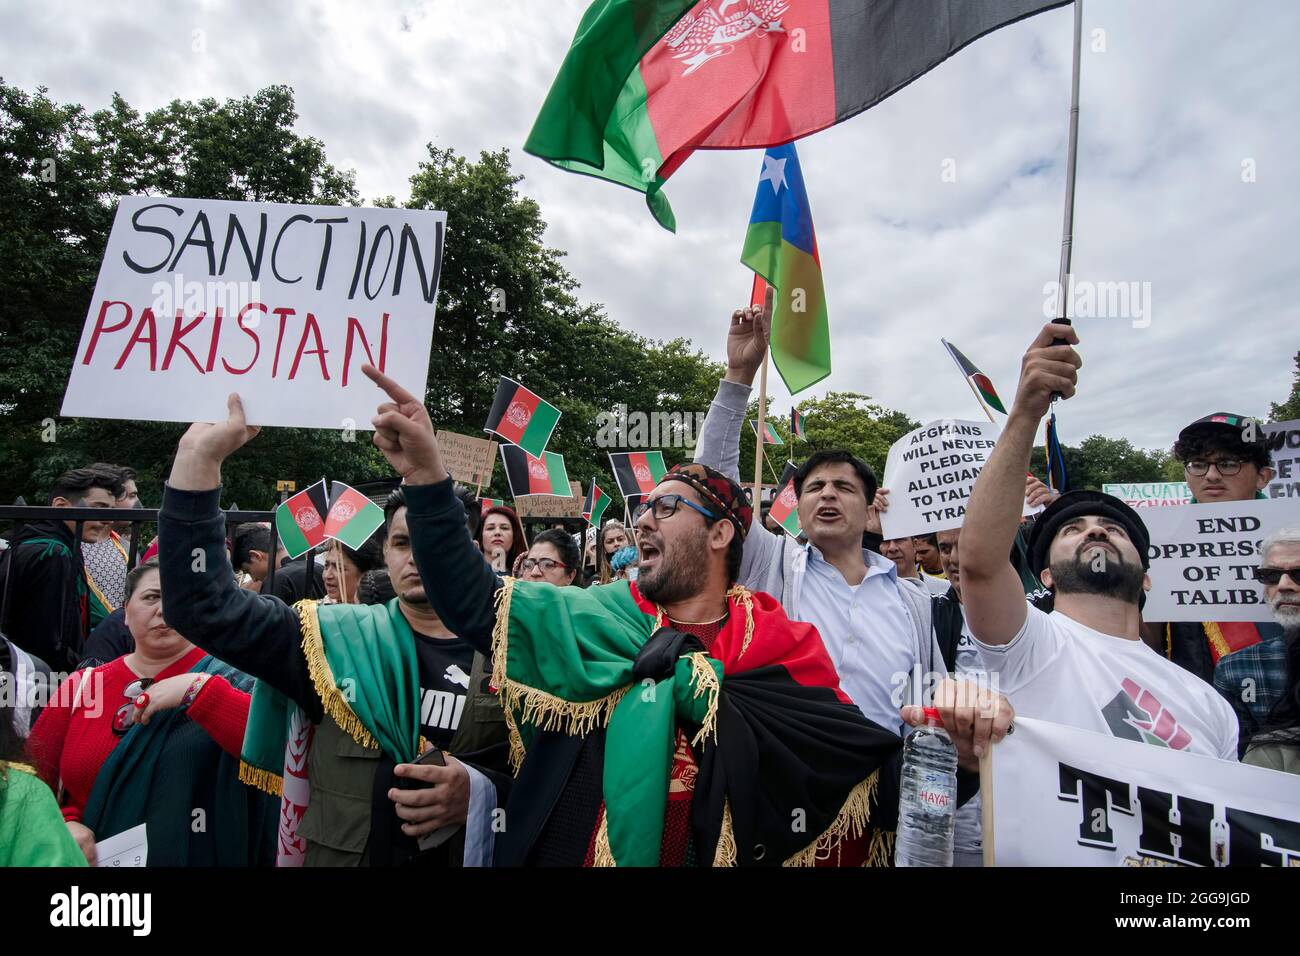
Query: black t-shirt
{"points": [[297, 580], [444, 684]]}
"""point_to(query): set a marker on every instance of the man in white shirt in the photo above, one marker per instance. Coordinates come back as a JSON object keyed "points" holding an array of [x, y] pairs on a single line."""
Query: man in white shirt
{"points": [[875, 624], [1083, 665]]}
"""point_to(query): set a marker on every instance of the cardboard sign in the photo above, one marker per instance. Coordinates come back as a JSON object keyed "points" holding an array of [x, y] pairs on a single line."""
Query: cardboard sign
{"points": [[1150, 494], [469, 460], [1203, 559], [198, 298], [549, 506], [930, 472], [1284, 445], [1069, 797]]}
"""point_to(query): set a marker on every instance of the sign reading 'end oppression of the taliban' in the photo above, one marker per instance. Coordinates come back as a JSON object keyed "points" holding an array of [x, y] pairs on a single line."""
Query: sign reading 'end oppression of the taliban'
{"points": [[930, 472], [198, 298], [1203, 559]]}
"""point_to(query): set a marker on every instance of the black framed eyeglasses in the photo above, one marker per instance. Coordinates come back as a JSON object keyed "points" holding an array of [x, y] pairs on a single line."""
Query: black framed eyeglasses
{"points": [[547, 565], [121, 716], [1272, 576], [665, 506], [1200, 467]]}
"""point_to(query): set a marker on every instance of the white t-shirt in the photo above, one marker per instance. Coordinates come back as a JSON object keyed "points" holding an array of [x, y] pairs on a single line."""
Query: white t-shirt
{"points": [[1059, 670]]}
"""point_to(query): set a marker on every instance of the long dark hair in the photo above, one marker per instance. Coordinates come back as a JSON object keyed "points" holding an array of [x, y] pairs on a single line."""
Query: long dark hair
{"points": [[1283, 723]]}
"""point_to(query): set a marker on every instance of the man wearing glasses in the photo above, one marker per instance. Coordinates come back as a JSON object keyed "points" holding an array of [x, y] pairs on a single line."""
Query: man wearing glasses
{"points": [[1254, 679], [1225, 458]]}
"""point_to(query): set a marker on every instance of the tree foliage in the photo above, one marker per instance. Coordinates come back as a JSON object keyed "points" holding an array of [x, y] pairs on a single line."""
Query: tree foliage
{"points": [[1290, 409]]}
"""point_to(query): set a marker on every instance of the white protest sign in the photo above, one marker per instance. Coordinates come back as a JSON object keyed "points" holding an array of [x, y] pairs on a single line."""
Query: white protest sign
{"points": [[1069, 797], [283, 304], [129, 848], [1150, 494], [930, 472], [1284, 445], [1203, 559]]}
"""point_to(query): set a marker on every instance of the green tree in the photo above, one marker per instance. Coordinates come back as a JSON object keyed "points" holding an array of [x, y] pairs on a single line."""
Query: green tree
{"points": [[506, 305], [1100, 460], [1290, 409]]}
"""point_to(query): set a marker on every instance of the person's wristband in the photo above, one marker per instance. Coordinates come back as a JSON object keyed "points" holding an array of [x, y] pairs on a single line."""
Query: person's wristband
{"points": [[195, 686]]}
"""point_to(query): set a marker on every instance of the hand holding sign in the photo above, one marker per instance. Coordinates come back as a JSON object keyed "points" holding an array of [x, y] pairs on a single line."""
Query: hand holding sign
{"points": [[404, 433], [1047, 369], [204, 446]]}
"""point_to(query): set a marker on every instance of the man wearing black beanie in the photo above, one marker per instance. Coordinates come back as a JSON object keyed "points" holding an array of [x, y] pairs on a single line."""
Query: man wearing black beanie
{"points": [[1085, 664]]}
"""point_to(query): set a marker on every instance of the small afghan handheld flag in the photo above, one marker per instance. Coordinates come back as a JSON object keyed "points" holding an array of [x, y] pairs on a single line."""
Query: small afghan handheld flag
{"points": [[770, 435], [785, 506], [977, 379], [352, 517], [487, 504], [593, 509], [521, 418], [781, 246], [535, 476], [647, 82], [299, 521], [796, 424], [637, 472]]}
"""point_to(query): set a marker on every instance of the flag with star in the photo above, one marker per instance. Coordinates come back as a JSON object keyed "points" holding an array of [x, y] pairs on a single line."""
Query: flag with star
{"points": [[781, 247]]}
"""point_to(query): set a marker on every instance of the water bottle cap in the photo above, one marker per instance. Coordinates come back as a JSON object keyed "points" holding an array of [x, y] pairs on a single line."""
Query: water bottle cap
{"points": [[932, 718]]}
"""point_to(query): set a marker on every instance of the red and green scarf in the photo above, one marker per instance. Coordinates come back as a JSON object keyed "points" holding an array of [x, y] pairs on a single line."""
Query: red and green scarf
{"points": [[774, 732]]}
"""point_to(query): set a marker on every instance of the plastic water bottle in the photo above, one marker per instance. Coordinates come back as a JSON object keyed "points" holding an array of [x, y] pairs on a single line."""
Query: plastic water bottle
{"points": [[927, 803]]}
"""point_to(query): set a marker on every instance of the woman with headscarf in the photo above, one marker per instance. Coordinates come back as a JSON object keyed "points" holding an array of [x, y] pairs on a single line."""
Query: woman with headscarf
{"points": [[501, 538], [344, 568], [154, 737]]}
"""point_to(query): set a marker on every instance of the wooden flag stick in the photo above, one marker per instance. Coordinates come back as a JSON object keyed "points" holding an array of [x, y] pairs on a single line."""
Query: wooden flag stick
{"points": [[762, 420], [772, 471], [986, 804], [343, 578]]}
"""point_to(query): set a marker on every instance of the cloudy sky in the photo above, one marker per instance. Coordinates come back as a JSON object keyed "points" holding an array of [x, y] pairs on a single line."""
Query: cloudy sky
{"points": [[1187, 180]]}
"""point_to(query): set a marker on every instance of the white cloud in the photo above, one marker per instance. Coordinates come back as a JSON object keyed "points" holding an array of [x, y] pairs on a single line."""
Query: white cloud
{"points": [[1184, 93]]}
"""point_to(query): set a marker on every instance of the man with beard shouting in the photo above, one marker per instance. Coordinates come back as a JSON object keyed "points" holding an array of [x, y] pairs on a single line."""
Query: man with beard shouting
{"points": [[1084, 664], [677, 720]]}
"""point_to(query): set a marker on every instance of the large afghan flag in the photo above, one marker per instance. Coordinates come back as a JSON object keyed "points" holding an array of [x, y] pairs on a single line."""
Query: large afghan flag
{"points": [[780, 246], [637, 472], [521, 418], [352, 517], [647, 82], [535, 476], [593, 509], [300, 520], [978, 380]]}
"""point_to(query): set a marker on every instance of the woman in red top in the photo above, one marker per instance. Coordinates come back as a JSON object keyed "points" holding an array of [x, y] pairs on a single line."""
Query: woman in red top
{"points": [[134, 741]]}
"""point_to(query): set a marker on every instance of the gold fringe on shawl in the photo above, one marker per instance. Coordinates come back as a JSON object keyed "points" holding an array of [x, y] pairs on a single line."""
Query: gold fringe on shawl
{"points": [[882, 848], [263, 780], [850, 822], [313, 649], [603, 856], [725, 854], [545, 711], [705, 680], [1218, 642], [743, 595]]}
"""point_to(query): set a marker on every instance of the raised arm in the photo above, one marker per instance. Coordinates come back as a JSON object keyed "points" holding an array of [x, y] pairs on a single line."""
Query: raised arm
{"points": [[992, 596], [457, 580], [258, 635]]}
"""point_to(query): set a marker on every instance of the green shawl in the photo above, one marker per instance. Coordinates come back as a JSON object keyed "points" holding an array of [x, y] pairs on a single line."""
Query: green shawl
{"points": [[164, 773], [362, 662]]}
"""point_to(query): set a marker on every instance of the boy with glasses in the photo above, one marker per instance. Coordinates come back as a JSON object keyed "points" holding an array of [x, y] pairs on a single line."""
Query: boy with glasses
{"points": [[1225, 457]]}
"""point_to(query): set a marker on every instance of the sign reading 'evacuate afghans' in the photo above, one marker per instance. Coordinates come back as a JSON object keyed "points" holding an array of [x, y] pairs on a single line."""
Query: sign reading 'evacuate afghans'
{"points": [[198, 298]]}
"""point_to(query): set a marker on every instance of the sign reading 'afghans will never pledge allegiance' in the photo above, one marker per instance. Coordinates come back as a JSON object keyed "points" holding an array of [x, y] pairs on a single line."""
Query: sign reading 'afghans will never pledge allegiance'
{"points": [[198, 298]]}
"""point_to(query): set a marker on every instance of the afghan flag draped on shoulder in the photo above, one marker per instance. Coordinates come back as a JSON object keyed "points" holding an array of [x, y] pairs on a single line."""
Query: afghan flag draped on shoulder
{"points": [[773, 732], [647, 82]]}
